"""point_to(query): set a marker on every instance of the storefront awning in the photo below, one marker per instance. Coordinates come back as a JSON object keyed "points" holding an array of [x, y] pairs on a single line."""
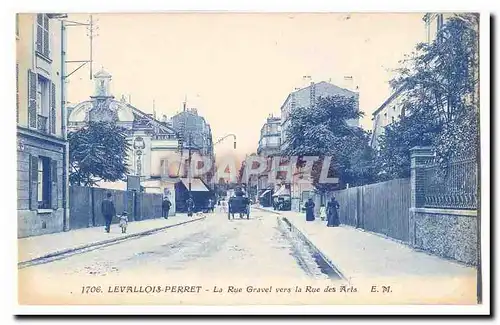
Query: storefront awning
{"points": [[265, 193], [196, 185], [282, 191]]}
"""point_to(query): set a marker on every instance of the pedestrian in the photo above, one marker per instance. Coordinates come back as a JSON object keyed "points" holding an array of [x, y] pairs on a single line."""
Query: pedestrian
{"points": [[322, 212], [165, 207], [210, 205], [190, 206], [108, 211], [123, 222], [224, 206], [309, 210], [332, 212]]}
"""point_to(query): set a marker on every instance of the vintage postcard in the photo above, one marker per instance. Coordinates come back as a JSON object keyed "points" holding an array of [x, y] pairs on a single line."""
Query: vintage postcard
{"points": [[245, 158]]}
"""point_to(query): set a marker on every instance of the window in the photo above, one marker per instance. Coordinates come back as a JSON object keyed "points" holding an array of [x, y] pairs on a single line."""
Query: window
{"points": [[439, 21], [44, 183], [17, 25], [42, 96], [42, 35]]}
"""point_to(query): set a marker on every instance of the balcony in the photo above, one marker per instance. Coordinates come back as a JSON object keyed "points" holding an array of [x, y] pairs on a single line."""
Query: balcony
{"points": [[268, 148], [42, 124], [163, 137]]}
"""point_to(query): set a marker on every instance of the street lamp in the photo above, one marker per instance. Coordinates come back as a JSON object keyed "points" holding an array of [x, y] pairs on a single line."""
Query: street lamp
{"points": [[225, 137]]}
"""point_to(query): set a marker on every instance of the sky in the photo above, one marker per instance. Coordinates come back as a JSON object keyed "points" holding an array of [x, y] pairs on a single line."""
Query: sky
{"points": [[237, 68]]}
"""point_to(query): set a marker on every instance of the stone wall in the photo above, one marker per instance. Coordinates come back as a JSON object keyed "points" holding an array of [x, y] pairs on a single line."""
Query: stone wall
{"points": [[447, 233]]}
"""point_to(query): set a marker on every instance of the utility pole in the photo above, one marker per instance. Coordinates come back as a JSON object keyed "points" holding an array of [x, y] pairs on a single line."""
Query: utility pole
{"points": [[91, 28], [190, 153], [64, 25]]}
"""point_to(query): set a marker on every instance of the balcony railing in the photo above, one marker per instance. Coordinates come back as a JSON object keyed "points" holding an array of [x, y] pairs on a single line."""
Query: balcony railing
{"points": [[163, 137], [42, 124]]}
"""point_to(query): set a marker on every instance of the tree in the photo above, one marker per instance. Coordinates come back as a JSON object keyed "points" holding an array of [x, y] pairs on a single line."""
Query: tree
{"points": [[97, 152], [439, 104], [322, 131]]}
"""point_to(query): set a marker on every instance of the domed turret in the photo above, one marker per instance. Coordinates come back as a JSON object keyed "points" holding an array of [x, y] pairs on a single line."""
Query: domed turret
{"points": [[102, 82]]}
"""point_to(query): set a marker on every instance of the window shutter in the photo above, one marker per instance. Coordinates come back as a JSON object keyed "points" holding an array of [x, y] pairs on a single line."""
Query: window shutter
{"points": [[53, 108], [17, 92], [39, 34], [33, 182], [46, 41], [54, 187], [32, 99]]}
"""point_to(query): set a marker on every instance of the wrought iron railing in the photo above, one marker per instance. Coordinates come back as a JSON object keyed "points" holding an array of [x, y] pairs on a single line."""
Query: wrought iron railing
{"points": [[42, 124], [453, 186], [163, 137]]}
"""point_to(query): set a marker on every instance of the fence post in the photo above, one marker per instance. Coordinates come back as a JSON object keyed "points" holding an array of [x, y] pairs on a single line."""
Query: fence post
{"points": [[92, 208], [420, 156]]}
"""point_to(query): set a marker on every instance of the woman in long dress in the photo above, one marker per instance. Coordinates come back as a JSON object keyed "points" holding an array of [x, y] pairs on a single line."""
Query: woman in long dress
{"points": [[333, 215], [309, 210]]}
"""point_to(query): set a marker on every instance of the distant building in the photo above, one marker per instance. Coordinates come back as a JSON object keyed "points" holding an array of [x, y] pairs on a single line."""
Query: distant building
{"points": [[270, 137], [433, 23], [391, 109], [195, 133], [189, 123], [41, 133], [389, 112], [307, 97], [269, 146]]}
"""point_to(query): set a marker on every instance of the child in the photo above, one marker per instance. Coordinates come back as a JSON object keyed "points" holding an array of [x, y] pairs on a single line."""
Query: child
{"points": [[123, 221], [322, 212]]}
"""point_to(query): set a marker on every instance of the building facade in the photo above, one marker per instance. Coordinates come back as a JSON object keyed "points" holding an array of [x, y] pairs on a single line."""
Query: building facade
{"points": [[433, 23], [195, 133], [307, 97], [269, 146], [389, 112], [392, 110], [301, 190], [151, 141], [41, 134]]}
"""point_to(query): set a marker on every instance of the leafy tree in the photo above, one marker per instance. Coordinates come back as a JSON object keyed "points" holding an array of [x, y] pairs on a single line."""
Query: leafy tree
{"points": [[322, 130], [439, 102], [98, 152]]}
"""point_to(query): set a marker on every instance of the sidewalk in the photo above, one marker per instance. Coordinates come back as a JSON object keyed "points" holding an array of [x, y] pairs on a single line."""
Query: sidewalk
{"points": [[39, 246], [359, 254]]}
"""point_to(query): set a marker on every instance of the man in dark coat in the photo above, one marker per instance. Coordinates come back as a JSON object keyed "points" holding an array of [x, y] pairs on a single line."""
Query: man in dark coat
{"points": [[309, 210], [190, 206], [108, 211], [165, 207], [332, 213]]}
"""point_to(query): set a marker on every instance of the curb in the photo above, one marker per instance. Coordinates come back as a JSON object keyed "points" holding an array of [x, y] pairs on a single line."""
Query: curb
{"points": [[315, 249], [265, 210], [38, 260]]}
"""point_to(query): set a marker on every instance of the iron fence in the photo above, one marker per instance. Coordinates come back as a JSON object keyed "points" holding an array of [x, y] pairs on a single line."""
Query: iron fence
{"points": [[451, 187]]}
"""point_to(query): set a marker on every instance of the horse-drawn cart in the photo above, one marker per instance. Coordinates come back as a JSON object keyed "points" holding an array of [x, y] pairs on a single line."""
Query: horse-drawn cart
{"points": [[238, 204]]}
